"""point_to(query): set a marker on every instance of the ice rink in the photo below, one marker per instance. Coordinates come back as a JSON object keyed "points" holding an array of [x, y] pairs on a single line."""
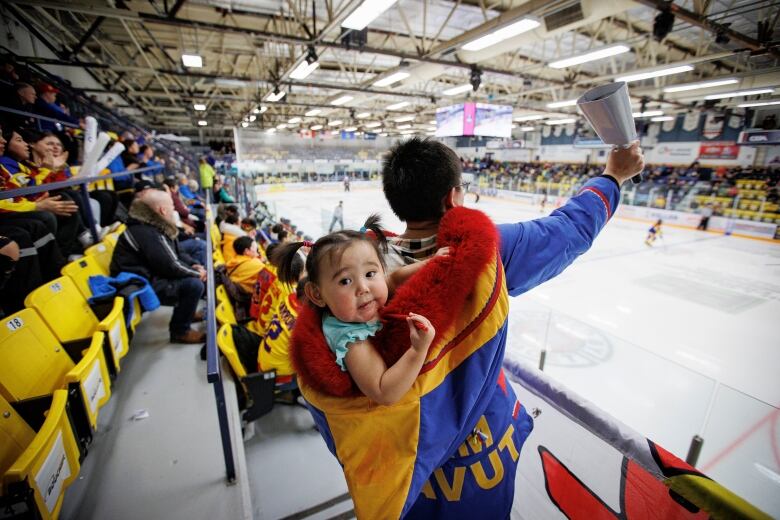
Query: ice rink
{"points": [[675, 340]]}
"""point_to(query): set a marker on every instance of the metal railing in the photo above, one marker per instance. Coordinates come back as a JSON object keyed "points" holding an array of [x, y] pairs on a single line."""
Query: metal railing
{"points": [[213, 368]]}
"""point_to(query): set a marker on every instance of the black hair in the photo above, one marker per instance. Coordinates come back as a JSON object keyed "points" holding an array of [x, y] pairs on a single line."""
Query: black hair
{"points": [[231, 218], [281, 235], [269, 249], [416, 176], [249, 221], [170, 182], [232, 209], [284, 256], [277, 228], [241, 244], [34, 136]]}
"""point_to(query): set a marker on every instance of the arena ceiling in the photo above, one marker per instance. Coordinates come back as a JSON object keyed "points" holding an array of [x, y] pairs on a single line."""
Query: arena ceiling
{"points": [[251, 48]]}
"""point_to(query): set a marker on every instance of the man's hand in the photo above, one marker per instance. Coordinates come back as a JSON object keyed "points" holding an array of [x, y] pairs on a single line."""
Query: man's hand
{"points": [[188, 230], [622, 164], [63, 208], [203, 273]]}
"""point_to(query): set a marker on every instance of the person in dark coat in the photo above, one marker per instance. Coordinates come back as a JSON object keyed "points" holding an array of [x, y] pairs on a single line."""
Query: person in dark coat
{"points": [[148, 247]]}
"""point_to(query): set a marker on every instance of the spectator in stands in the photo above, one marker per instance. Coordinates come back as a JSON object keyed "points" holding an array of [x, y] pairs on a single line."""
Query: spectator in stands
{"points": [[130, 156], [149, 248], [206, 176], [189, 197], [245, 265], [422, 181], [23, 100], [59, 212], [46, 105], [48, 152], [219, 194], [249, 226], [231, 230]]}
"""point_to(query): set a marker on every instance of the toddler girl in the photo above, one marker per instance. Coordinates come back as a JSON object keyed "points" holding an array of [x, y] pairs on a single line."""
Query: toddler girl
{"points": [[346, 277]]}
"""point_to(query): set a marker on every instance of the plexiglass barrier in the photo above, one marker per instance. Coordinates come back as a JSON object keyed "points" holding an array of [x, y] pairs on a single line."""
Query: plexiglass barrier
{"points": [[661, 399]]}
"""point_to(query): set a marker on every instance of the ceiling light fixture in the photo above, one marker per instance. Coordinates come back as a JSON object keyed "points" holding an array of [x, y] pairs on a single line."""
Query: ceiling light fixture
{"points": [[303, 69], [656, 73], [526, 128], [337, 122], [252, 118], [759, 104], [202, 123], [316, 127], [276, 95], [244, 124], [403, 119], [509, 31], [532, 117], [403, 127], [648, 113], [662, 119], [294, 120], [373, 124], [192, 61], [312, 112], [600, 54], [702, 84], [363, 115], [392, 78], [341, 100], [199, 107], [739, 93], [260, 110], [398, 106], [560, 121], [366, 13], [560, 104], [460, 89], [350, 129], [281, 126], [270, 131]]}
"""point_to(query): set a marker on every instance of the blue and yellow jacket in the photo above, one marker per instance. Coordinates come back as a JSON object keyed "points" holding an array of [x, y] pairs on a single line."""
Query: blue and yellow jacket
{"points": [[449, 448]]}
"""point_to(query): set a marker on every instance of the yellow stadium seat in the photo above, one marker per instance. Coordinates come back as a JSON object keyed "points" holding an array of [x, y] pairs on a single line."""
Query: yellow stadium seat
{"points": [[38, 466], [69, 316], [218, 258], [258, 387], [34, 364], [80, 270], [216, 236], [225, 314], [102, 253], [222, 295]]}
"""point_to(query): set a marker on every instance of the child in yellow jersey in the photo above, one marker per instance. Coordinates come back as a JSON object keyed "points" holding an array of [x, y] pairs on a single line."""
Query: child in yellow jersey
{"points": [[274, 351], [245, 266]]}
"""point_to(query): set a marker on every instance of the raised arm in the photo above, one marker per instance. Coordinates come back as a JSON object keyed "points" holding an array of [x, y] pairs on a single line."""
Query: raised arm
{"points": [[535, 251]]}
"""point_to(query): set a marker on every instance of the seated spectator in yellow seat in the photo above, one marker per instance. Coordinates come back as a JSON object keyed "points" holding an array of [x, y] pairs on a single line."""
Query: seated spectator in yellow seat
{"points": [[244, 267], [274, 350], [230, 231]]}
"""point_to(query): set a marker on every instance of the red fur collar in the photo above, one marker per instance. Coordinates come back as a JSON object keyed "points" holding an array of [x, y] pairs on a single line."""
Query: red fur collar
{"points": [[437, 291]]}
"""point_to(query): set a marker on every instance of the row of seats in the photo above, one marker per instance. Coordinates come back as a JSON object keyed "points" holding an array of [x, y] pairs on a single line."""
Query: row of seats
{"points": [[258, 390], [58, 357]]}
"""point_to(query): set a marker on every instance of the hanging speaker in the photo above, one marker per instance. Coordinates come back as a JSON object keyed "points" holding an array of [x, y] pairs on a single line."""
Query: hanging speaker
{"points": [[608, 110]]}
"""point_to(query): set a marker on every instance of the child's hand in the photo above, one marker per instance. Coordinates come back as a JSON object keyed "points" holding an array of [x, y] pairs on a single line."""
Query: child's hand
{"points": [[421, 332], [444, 251]]}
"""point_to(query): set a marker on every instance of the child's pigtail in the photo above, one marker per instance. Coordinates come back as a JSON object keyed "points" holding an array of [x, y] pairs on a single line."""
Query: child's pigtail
{"points": [[374, 223], [283, 258]]}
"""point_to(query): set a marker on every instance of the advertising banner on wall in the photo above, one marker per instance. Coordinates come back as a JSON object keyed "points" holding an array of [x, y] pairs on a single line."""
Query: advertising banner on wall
{"points": [[718, 150], [713, 125], [673, 153]]}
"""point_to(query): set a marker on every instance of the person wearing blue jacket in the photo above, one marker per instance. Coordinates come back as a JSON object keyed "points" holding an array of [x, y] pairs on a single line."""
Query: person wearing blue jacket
{"points": [[422, 180]]}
